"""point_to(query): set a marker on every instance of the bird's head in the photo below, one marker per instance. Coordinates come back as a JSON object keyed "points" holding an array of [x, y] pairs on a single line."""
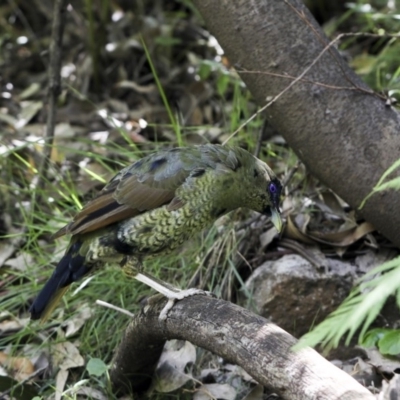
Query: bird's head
{"points": [[265, 192]]}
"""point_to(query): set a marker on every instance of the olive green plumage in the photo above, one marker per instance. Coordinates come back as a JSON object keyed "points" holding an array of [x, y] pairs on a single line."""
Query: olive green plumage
{"points": [[153, 206]]}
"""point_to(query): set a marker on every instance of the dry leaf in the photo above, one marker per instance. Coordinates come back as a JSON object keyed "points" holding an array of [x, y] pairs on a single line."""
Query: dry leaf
{"points": [[6, 250], [19, 368], [76, 323], [137, 88], [383, 364], [170, 373], [61, 380], [343, 238], [391, 389], [268, 236], [257, 393], [28, 110], [215, 391], [293, 232], [90, 393], [20, 262], [13, 325], [235, 371], [30, 91], [333, 202], [66, 355]]}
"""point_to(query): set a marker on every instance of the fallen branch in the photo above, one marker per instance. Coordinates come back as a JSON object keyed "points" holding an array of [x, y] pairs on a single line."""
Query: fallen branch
{"points": [[239, 336]]}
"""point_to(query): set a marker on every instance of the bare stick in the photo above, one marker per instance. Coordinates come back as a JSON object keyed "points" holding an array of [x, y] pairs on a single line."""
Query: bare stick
{"points": [[115, 308], [54, 87]]}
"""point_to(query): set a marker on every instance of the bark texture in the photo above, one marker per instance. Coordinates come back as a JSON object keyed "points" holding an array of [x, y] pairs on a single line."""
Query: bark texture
{"points": [[239, 336], [346, 136]]}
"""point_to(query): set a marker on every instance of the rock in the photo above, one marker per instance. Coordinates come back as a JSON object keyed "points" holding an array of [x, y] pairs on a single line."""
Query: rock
{"points": [[292, 293]]}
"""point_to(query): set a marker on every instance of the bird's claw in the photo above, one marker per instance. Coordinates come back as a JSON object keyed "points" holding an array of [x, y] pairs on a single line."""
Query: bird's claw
{"points": [[172, 299]]}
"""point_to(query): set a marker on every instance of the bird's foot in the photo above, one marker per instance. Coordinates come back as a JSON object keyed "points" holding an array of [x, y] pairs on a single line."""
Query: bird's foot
{"points": [[172, 293], [174, 297]]}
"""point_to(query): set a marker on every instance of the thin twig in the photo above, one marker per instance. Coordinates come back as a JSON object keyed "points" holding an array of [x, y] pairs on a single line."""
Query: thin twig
{"points": [[115, 308], [290, 174], [54, 89], [301, 76], [334, 55], [310, 81], [299, 249], [260, 137]]}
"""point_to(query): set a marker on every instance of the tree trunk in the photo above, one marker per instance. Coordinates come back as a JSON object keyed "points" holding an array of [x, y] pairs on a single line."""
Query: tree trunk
{"points": [[261, 348], [345, 135]]}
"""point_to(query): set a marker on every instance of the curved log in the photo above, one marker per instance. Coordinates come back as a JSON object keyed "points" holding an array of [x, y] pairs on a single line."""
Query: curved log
{"points": [[263, 349]]}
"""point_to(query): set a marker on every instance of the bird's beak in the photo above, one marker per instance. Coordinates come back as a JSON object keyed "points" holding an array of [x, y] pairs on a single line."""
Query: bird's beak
{"points": [[276, 219]]}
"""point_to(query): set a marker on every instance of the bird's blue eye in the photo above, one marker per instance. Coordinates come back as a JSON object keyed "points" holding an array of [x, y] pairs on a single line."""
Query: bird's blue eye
{"points": [[272, 188]]}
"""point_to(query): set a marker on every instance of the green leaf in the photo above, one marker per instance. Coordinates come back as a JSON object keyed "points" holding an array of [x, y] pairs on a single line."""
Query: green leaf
{"points": [[391, 169], [222, 83], [172, 118], [204, 71], [392, 184], [96, 367], [381, 186], [390, 343], [167, 41], [371, 338], [398, 298], [359, 309]]}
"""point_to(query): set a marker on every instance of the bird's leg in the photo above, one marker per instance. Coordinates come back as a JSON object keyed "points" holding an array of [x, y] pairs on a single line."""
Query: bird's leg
{"points": [[172, 293], [133, 267]]}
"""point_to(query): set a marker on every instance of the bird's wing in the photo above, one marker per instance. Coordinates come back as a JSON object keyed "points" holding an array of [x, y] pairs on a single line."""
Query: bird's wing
{"points": [[145, 185]]}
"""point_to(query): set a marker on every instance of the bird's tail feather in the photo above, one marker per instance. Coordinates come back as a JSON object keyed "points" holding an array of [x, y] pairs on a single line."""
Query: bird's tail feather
{"points": [[70, 268], [49, 307]]}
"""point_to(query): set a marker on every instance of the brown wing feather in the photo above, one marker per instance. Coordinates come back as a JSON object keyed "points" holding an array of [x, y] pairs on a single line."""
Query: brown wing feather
{"points": [[112, 207], [142, 196], [147, 184], [119, 200]]}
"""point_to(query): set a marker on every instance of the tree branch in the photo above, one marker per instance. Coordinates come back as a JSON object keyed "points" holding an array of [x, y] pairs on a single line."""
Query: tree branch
{"points": [[237, 335], [345, 135]]}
